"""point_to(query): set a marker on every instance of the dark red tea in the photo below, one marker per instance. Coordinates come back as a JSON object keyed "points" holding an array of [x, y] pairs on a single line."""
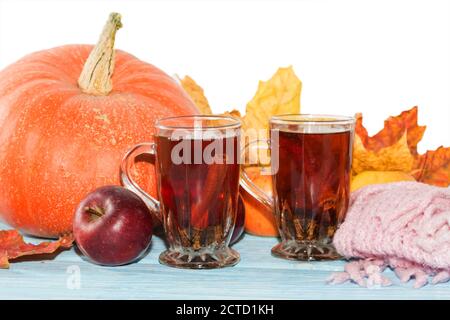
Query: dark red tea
{"points": [[311, 186], [199, 184]]}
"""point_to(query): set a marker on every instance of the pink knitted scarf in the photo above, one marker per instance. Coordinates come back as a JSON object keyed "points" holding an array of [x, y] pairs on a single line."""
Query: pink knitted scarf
{"points": [[404, 226]]}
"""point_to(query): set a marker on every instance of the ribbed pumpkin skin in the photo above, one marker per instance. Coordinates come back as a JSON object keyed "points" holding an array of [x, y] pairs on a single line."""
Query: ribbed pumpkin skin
{"points": [[57, 143]]}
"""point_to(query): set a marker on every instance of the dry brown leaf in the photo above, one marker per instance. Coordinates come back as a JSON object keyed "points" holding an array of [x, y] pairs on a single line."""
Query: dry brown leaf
{"points": [[12, 246]]}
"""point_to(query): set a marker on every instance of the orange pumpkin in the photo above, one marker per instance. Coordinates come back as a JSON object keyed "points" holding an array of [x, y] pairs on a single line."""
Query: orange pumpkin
{"points": [[61, 138]]}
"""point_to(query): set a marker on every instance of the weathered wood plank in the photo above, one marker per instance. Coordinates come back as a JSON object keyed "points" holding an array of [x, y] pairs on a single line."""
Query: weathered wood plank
{"points": [[257, 276]]}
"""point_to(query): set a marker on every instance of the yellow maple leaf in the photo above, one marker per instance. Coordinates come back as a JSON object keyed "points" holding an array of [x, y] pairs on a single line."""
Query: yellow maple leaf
{"points": [[279, 95], [197, 95]]}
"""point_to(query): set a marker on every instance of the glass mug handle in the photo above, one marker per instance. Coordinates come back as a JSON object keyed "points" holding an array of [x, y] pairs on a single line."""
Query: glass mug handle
{"points": [[128, 182], [248, 185]]}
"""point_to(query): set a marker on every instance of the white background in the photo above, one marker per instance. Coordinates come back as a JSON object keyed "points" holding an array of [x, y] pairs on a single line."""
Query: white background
{"points": [[376, 57]]}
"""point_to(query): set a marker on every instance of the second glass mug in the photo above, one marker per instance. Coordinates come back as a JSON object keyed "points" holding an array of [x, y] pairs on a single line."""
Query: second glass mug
{"points": [[197, 168], [310, 158]]}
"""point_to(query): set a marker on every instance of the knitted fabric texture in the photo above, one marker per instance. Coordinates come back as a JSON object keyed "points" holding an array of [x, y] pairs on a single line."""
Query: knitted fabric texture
{"points": [[404, 226]]}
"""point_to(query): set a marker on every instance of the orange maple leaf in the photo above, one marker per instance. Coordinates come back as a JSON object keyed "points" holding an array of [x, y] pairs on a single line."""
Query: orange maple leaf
{"points": [[434, 167], [394, 128], [394, 148]]}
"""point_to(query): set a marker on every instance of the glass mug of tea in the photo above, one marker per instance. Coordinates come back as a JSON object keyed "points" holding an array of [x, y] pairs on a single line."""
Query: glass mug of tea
{"points": [[197, 168], [310, 165]]}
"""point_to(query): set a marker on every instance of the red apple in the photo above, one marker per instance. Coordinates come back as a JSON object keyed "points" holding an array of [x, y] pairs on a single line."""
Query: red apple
{"points": [[112, 226], [240, 221]]}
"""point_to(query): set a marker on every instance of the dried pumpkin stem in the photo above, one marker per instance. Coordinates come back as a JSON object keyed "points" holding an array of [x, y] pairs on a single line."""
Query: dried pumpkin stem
{"points": [[97, 71]]}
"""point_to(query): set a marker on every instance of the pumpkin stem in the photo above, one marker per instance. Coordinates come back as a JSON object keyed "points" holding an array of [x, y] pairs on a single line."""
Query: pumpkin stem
{"points": [[97, 71]]}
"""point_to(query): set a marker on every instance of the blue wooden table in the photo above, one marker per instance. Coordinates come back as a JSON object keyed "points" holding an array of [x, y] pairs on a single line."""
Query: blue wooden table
{"points": [[257, 276]]}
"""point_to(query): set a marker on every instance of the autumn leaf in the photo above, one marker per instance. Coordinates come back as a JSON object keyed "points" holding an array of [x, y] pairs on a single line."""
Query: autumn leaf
{"points": [[396, 157], [197, 95], [394, 148], [233, 113], [434, 167], [12, 246], [394, 129], [388, 150], [279, 95]]}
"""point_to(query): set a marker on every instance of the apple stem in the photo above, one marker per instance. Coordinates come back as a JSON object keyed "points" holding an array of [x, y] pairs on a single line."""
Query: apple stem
{"points": [[96, 211]]}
